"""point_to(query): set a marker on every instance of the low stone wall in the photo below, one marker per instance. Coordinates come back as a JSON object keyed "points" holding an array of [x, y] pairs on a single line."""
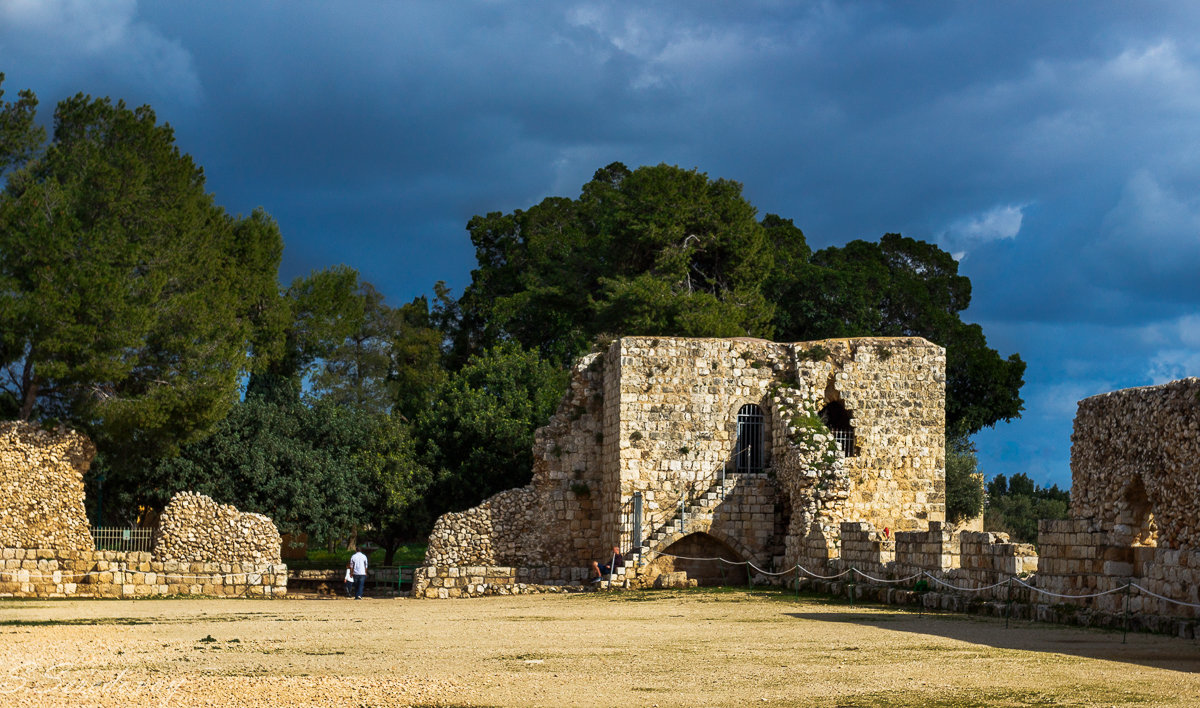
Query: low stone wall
{"points": [[442, 582], [934, 550], [47, 573], [41, 487], [195, 529]]}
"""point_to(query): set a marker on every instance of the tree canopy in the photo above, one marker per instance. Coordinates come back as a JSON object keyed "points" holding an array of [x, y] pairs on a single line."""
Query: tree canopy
{"points": [[666, 251], [130, 303]]}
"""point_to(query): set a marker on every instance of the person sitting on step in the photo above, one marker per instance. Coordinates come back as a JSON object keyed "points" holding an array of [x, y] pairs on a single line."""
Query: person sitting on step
{"points": [[603, 569]]}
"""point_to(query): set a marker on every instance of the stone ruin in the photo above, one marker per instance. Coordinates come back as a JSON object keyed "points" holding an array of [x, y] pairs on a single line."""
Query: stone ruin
{"points": [[652, 449], [46, 546], [193, 528], [41, 487], [740, 448]]}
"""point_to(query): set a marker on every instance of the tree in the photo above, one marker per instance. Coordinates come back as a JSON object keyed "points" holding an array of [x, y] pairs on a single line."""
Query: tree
{"points": [[666, 251], [313, 466], [129, 301], [479, 429], [658, 250], [1016, 504], [902, 287], [964, 484]]}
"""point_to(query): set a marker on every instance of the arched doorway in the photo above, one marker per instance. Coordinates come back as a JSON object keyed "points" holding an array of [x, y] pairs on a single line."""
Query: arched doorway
{"points": [[705, 572]]}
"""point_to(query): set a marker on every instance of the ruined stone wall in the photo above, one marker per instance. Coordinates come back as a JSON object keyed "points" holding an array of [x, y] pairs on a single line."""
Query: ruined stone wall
{"points": [[679, 404], [935, 549], [195, 529], [679, 400], [48, 572], [503, 530], [41, 487], [1135, 464], [555, 520]]}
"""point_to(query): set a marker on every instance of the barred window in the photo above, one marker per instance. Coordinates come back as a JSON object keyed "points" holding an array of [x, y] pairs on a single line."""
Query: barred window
{"points": [[835, 417], [748, 454]]}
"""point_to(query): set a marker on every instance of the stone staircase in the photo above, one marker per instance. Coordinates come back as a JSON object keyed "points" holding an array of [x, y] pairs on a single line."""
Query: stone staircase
{"points": [[695, 516]]}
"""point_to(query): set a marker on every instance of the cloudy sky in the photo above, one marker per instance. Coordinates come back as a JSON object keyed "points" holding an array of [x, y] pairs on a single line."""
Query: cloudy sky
{"points": [[1053, 147]]}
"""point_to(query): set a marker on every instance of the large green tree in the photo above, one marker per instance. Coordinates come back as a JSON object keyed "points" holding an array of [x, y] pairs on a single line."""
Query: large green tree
{"points": [[900, 287], [663, 250], [313, 466], [478, 431], [130, 302], [657, 250]]}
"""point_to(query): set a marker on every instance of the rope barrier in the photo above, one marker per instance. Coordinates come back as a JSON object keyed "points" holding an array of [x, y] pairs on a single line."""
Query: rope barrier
{"points": [[1154, 594], [1055, 594], [1041, 591]]}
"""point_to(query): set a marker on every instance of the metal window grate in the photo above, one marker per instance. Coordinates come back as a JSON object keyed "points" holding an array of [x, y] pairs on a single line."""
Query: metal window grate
{"points": [[845, 440], [748, 454], [119, 539]]}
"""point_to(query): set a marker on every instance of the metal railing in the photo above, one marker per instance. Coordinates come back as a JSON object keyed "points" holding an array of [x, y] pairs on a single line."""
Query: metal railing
{"points": [[109, 538]]}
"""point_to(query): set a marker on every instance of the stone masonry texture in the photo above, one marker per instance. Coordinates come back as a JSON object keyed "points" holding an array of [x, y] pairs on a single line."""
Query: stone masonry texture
{"points": [[41, 487], [194, 528], [46, 547]]}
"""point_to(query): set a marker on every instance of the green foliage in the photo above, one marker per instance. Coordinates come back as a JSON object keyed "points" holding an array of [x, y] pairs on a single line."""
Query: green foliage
{"points": [[320, 467], [479, 428], [964, 484], [129, 301], [666, 251], [1014, 506], [658, 250]]}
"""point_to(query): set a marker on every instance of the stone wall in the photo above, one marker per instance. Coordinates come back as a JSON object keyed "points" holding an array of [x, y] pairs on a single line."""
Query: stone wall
{"points": [[499, 532], [1135, 464], [41, 487], [46, 547], [193, 528], [45, 573], [936, 549]]}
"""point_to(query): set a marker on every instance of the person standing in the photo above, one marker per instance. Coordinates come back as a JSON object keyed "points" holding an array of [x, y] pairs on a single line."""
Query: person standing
{"points": [[358, 568], [349, 580]]}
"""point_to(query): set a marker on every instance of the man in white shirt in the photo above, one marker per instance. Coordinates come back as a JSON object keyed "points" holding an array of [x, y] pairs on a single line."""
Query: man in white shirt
{"points": [[358, 568]]}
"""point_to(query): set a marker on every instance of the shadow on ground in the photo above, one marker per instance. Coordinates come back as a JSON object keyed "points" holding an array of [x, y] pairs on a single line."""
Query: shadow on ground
{"points": [[1151, 650]]}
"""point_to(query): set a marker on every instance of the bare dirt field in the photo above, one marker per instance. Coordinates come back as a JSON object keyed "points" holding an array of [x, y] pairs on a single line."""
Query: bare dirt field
{"points": [[665, 648]]}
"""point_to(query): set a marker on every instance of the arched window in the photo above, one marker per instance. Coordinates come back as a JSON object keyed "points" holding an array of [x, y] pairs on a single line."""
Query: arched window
{"points": [[748, 455], [835, 417]]}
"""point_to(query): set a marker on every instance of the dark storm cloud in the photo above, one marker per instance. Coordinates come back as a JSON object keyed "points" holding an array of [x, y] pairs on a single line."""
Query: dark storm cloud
{"points": [[1053, 147]]}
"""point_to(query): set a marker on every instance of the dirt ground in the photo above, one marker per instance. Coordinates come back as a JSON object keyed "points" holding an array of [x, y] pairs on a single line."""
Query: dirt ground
{"points": [[665, 648]]}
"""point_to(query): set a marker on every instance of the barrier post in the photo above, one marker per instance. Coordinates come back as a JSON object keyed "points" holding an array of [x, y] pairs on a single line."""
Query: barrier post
{"points": [[850, 585], [1008, 612], [1126, 632], [749, 577], [797, 581]]}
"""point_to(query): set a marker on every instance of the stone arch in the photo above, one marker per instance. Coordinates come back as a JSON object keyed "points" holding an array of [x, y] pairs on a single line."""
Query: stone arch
{"points": [[705, 572], [1135, 524], [732, 427]]}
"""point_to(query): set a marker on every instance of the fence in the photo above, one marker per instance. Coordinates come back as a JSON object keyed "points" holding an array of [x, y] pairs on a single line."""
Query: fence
{"points": [[119, 539]]}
